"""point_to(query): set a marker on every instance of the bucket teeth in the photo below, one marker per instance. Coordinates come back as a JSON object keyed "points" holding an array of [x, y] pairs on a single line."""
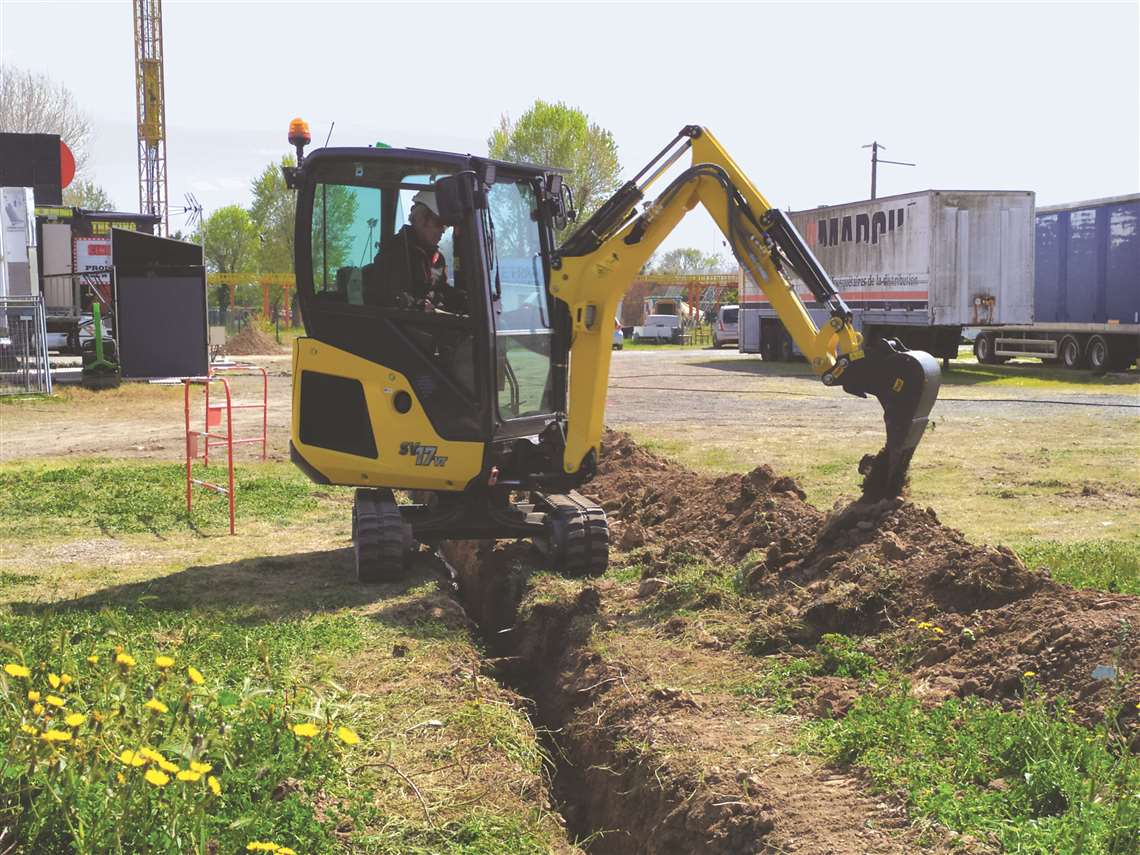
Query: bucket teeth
{"points": [[906, 383]]}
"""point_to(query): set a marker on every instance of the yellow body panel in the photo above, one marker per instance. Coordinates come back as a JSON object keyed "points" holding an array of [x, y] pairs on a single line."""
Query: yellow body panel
{"points": [[592, 285], [462, 461]]}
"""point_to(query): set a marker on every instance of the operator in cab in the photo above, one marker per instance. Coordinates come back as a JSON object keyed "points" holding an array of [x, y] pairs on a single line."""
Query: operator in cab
{"points": [[414, 267]]}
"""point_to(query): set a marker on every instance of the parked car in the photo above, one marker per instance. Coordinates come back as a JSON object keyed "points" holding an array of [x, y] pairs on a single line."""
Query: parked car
{"points": [[659, 329], [64, 341], [725, 328], [619, 336]]}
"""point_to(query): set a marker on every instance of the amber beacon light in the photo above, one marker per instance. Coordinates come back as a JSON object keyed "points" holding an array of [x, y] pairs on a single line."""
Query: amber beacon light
{"points": [[299, 137]]}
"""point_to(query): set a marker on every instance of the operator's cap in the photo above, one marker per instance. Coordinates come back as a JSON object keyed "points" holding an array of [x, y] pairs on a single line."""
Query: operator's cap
{"points": [[427, 199]]}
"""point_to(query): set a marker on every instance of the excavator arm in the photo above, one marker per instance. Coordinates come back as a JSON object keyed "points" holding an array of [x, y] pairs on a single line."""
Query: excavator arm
{"points": [[597, 264]]}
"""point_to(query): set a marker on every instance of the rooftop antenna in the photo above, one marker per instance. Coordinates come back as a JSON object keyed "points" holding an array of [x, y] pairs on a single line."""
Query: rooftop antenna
{"points": [[329, 137], [876, 160]]}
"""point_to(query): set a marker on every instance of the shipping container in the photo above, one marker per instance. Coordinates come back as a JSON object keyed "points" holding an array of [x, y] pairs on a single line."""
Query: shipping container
{"points": [[1086, 289], [917, 267]]}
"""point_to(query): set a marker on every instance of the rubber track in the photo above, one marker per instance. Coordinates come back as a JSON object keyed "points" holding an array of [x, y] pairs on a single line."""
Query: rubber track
{"points": [[378, 537], [587, 543]]}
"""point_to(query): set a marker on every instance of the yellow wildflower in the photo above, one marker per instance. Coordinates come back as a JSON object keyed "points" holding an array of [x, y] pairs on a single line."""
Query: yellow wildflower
{"points": [[12, 669], [188, 775], [38, 709], [54, 680], [75, 719], [155, 777], [55, 736], [261, 846], [214, 786], [939, 630], [55, 700], [156, 705], [348, 737], [131, 758], [28, 729], [195, 676], [167, 766], [285, 850], [1028, 674], [64, 679], [200, 768], [33, 695], [125, 659], [119, 777], [151, 754], [306, 730], [92, 659], [164, 662]]}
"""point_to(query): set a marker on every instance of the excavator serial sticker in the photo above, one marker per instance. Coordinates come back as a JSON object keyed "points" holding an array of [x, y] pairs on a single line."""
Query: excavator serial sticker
{"points": [[898, 385], [425, 454]]}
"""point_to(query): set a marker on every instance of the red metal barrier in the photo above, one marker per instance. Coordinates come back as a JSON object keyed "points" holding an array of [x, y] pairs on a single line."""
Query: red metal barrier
{"points": [[211, 435]]}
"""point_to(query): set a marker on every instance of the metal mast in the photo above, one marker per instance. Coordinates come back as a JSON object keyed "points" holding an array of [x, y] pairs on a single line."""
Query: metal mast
{"points": [[150, 104]]}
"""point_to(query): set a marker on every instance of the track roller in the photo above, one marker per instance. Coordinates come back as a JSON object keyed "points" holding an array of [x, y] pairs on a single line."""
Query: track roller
{"points": [[379, 537]]}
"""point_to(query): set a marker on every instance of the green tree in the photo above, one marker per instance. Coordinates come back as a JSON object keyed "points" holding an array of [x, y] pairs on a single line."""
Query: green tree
{"points": [[689, 261], [88, 195], [562, 136], [231, 242], [274, 213]]}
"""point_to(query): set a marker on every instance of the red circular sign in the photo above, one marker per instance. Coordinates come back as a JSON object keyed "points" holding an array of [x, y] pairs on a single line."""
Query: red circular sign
{"points": [[66, 164]]}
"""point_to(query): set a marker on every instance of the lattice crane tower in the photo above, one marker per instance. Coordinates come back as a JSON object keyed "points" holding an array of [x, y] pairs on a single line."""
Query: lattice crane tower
{"points": [[150, 103]]}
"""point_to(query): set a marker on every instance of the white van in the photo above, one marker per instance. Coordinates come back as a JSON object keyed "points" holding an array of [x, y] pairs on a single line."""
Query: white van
{"points": [[724, 329]]}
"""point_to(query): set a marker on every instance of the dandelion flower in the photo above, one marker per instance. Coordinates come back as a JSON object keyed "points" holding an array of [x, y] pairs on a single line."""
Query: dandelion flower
{"points": [[164, 662], [167, 766], [75, 719], [195, 676], [188, 775], [28, 729], [38, 709], [214, 786], [64, 679], [54, 680], [13, 669], [120, 778], [261, 846], [307, 730], [348, 737], [156, 705], [200, 768], [92, 659], [1029, 674], [285, 850], [156, 778], [151, 754], [33, 695], [125, 659], [55, 736], [939, 630], [131, 758], [55, 700]]}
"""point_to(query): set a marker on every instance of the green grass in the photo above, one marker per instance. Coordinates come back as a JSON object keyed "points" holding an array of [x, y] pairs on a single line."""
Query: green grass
{"points": [[1035, 779], [836, 655], [112, 498], [1103, 565]]}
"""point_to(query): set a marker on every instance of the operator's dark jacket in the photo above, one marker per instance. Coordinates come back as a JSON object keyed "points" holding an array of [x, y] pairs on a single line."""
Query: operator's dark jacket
{"points": [[412, 273]]}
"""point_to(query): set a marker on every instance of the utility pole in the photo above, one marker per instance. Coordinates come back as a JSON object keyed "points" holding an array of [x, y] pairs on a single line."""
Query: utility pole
{"points": [[876, 160]]}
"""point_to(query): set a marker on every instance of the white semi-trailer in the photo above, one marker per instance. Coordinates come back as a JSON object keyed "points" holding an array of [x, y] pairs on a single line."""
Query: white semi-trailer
{"points": [[918, 267]]}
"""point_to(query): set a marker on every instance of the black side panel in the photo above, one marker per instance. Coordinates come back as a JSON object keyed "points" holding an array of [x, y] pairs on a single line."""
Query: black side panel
{"points": [[334, 414]]}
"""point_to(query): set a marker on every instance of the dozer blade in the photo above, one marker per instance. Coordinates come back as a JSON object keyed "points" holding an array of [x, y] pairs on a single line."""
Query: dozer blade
{"points": [[906, 382]]}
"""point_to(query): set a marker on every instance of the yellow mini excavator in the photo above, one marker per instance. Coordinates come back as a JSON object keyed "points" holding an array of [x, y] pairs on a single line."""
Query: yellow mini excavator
{"points": [[489, 409]]}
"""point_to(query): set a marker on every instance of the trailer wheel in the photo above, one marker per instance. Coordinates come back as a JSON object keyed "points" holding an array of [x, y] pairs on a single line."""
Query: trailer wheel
{"points": [[985, 349], [1096, 352], [1070, 351]]}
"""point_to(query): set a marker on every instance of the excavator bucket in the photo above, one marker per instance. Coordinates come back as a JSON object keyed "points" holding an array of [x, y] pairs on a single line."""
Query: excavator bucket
{"points": [[906, 382]]}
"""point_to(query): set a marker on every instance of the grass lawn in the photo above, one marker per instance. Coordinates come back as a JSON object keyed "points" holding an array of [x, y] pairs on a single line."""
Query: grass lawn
{"points": [[332, 717]]}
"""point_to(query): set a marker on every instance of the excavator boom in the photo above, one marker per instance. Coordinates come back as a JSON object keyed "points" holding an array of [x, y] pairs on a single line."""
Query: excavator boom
{"points": [[594, 267]]}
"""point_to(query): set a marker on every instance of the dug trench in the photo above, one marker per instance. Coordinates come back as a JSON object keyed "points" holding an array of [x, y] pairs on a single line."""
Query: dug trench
{"points": [[647, 678]]}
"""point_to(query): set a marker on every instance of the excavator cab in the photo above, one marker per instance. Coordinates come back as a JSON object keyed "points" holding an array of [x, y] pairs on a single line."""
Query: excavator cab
{"points": [[487, 405], [466, 409]]}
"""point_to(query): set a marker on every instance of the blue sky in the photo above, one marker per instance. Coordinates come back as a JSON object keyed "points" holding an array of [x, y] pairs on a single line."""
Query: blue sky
{"points": [[1034, 96]]}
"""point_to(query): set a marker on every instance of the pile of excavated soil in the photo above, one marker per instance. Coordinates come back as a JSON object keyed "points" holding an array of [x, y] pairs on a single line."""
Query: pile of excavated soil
{"points": [[251, 341], [975, 616]]}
